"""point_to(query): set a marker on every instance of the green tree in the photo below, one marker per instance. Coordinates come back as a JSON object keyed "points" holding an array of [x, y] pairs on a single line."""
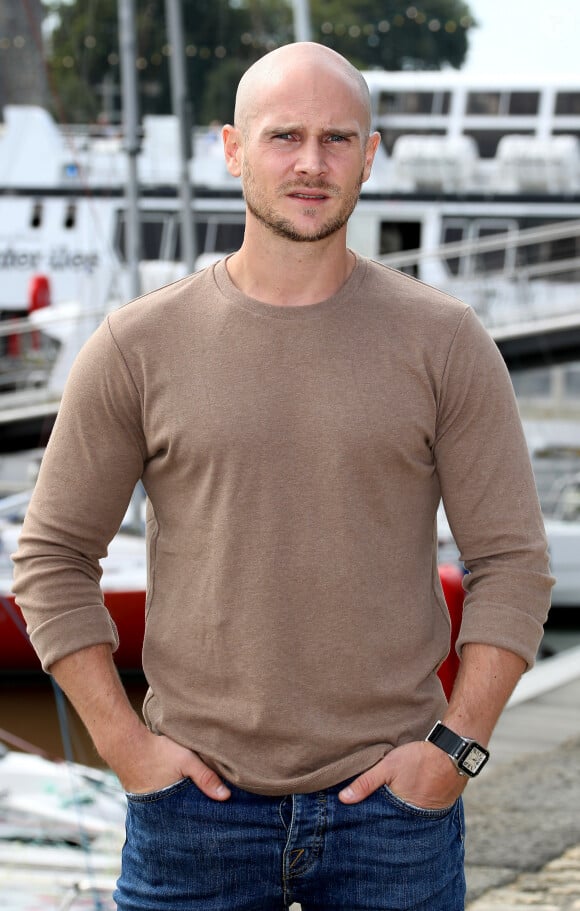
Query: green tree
{"points": [[395, 35], [223, 37]]}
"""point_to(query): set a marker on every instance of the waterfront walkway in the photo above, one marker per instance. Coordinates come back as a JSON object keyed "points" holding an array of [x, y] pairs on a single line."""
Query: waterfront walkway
{"points": [[523, 814]]}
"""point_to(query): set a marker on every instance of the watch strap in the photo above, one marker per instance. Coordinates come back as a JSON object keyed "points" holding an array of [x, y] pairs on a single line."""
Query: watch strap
{"points": [[447, 740], [466, 754]]}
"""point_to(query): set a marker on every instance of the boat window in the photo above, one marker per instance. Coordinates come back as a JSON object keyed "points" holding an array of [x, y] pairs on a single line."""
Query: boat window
{"points": [[492, 260], [533, 254], [389, 137], [524, 103], [216, 234], [561, 248], [532, 384], [161, 234], [556, 466], [459, 230], [483, 103], [441, 102], [155, 235], [488, 140], [454, 231], [36, 216], [575, 133], [399, 236], [408, 103], [152, 238], [228, 236], [70, 216], [572, 381], [567, 103], [565, 250], [200, 236], [414, 102]]}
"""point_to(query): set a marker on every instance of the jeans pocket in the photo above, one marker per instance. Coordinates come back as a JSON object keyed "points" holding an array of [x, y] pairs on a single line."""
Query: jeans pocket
{"points": [[160, 794], [412, 810]]}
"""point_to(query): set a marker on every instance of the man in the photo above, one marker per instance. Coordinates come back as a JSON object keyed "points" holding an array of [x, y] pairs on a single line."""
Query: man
{"points": [[295, 413]]}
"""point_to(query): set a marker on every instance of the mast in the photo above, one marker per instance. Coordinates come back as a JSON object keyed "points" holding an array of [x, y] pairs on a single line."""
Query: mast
{"points": [[132, 144], [301, 11], [182, 111]]}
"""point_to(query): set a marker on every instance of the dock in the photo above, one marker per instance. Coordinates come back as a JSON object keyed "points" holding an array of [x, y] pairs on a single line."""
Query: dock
{"points": [[523, 814]]}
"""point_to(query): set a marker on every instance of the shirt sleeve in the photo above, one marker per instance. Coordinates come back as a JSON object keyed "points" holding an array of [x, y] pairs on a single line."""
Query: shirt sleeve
{"points": [[93, 460], [490, 497]]}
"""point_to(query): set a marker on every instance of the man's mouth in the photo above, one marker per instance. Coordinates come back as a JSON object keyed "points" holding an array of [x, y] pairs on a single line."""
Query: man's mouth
{"points": [[308, 195], [315, 192]]}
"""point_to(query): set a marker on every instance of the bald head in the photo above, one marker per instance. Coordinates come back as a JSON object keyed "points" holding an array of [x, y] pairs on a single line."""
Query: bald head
{"points": [[283, 65]]}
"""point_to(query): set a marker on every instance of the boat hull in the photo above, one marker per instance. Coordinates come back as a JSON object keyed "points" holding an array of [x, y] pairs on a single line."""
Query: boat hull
{"points": [[127, 608]]}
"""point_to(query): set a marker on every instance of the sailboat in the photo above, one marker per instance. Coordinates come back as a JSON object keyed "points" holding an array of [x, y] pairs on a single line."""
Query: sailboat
{"points": [[61, 833]]}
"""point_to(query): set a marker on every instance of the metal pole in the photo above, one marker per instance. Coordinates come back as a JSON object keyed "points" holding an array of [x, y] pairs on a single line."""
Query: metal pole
{"points": [[182, 111], [302, 29], [128, 55]]}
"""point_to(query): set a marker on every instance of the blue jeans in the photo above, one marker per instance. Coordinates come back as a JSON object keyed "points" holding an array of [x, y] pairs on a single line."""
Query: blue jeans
{"points": [[185, 852]]}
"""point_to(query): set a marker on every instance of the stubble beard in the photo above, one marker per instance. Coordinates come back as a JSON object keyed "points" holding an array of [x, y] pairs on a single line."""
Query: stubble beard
{"points": [[266, 213]]}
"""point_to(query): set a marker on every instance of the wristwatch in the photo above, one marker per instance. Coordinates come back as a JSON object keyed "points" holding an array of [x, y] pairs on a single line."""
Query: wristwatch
{"points": [[468, 756]]}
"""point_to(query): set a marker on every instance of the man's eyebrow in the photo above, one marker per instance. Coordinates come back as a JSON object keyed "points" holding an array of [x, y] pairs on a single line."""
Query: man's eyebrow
{"points": [[288, 128], [347, 132], [341, 131]]}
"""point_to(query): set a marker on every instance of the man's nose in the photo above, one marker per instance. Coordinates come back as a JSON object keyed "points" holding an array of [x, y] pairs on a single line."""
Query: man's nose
{"points": [[310, 159]]}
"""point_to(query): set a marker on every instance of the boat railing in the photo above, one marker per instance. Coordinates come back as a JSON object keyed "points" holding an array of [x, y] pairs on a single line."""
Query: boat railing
{"points": [[32, 346], [531, 275], [15, 503], [510, 240]]}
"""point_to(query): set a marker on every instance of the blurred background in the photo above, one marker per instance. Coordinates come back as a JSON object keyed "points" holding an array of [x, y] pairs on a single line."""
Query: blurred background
{"points": [[112, 183]]}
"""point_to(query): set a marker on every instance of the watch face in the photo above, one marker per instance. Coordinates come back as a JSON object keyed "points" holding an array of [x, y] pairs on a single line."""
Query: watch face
{"points": [[474, 760]]}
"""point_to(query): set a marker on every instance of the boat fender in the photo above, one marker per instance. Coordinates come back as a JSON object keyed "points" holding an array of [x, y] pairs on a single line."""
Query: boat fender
{"points": [[38, 299], [38, 293]]}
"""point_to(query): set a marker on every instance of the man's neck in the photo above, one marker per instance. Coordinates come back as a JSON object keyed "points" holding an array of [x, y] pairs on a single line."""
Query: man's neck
{"points": [[291, 274]]}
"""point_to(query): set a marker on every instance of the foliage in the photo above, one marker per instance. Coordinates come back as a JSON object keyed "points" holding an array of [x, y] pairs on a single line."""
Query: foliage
{"points": [[223, 37], [394, 35]]}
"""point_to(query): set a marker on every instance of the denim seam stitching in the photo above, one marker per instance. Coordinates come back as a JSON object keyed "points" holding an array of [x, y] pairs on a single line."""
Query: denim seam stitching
{"points": [[317, 841], [421, 812], [163, 794]]}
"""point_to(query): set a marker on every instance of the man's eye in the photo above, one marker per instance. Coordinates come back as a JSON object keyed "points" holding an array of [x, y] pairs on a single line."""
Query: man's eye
{"points": [[336, 137]]}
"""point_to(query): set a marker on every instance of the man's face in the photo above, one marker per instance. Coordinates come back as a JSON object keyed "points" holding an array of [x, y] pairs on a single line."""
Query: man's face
{"points": [[305, 154]]}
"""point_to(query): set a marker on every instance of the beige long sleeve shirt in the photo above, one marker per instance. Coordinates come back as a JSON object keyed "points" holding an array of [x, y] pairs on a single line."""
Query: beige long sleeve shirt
{"points": [[293, 459]]}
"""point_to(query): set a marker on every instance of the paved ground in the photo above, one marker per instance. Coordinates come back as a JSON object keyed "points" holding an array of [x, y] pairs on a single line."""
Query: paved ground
{"points": [[556, 887], [523, 814]]}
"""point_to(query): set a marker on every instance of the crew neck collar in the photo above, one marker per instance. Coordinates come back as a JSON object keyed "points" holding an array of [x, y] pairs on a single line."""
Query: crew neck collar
{"points": [[277, 311]]}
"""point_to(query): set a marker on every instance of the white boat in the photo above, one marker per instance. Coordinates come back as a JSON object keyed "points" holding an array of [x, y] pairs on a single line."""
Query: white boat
{"points": [[123, 582], [555, 453], [476, 189], [564, 547], [463, 159], [57, 802], [61, 834], [554, 448]]}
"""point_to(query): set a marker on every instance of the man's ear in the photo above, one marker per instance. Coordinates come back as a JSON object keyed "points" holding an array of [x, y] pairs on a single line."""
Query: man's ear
{"points": [[373, 143], [232, 149]]}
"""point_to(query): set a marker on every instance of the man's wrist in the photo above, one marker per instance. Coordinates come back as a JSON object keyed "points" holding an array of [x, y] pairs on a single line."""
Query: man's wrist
{"points": [[116, 742], [467, 754]]}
